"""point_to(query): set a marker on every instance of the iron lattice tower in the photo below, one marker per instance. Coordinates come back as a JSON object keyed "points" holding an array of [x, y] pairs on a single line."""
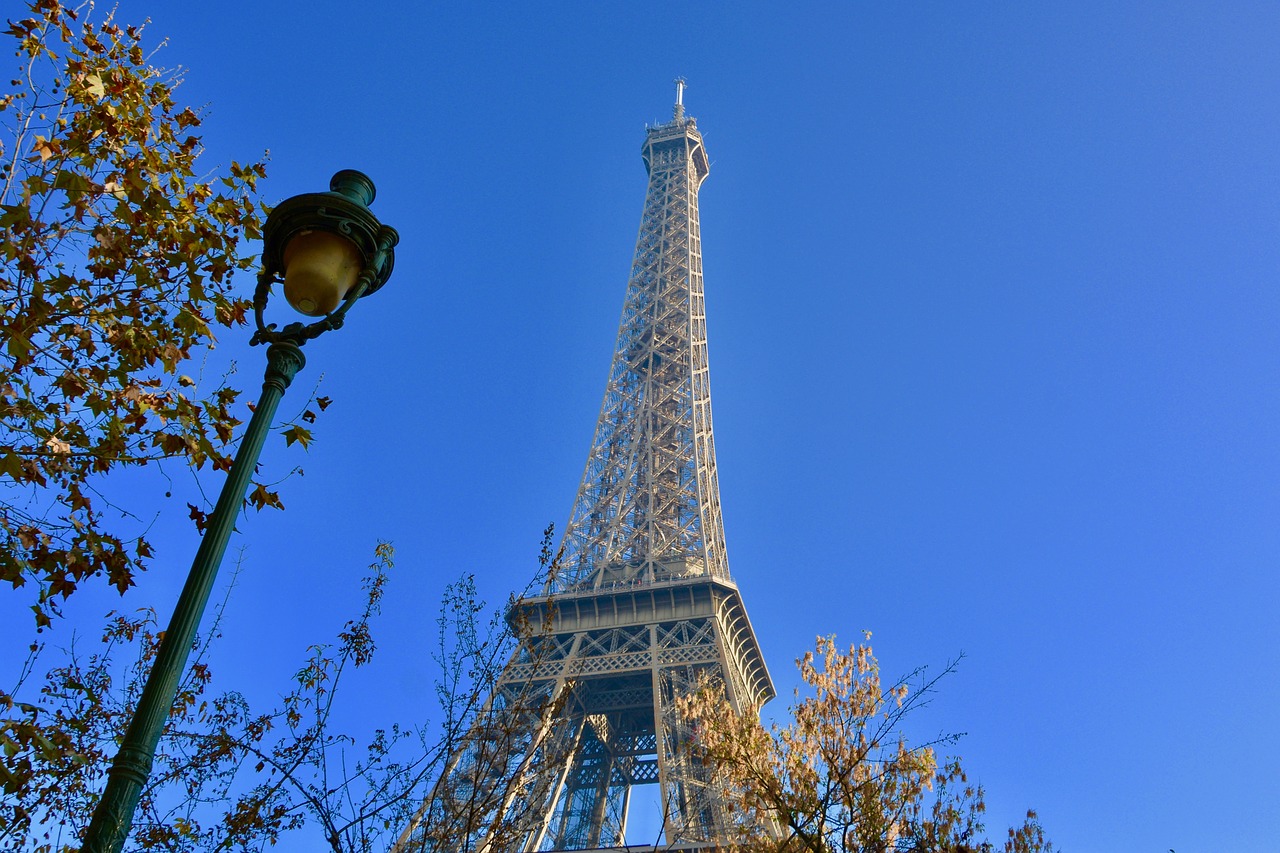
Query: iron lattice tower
{"points": [[643, 606]]}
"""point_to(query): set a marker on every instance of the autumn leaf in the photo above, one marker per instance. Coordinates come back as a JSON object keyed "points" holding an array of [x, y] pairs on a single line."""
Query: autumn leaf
{"points": [[93, 86], [11, 465], [198, 516], [299, 434], [46, 148], [261, 497]]}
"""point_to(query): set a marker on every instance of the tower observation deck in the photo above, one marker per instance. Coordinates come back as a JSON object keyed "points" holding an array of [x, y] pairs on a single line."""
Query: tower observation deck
{"points": [[643, 607]]}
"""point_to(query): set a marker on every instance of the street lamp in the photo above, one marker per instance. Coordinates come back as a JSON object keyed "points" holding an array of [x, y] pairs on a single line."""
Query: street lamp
{"points": [[329, 250]]}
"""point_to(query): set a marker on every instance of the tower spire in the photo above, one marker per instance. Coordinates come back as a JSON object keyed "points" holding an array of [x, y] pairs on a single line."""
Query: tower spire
{"points": [[681, 83]]}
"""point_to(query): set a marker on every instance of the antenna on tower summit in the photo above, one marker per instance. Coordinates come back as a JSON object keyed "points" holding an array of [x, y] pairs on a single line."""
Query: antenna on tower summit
{"points": [[680, 84]]}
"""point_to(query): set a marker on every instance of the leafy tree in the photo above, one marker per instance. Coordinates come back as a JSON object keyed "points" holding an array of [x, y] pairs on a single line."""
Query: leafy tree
{"points": [[840, 777], [499, 746], [231, 778], [116, 266], [225, 777], [116, 263]]}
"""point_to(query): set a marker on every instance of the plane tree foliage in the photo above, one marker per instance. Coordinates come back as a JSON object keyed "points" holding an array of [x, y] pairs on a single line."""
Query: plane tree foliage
{"points": [[840, 776], [118, 249], [116, 263]]}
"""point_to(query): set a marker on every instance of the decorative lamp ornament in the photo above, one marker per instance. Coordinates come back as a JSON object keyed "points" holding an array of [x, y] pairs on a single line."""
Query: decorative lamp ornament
{"points": [[329, 250]]}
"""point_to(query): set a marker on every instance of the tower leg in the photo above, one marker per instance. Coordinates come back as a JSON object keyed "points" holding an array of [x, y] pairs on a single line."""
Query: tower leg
{"points": [[539, 832]]}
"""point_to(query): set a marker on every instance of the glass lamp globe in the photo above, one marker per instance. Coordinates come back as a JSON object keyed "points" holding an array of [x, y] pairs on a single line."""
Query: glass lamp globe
{"points": [[320, 267]]}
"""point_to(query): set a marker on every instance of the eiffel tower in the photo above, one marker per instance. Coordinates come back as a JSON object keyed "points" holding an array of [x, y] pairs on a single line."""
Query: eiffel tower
{"points": [[643, 608]]}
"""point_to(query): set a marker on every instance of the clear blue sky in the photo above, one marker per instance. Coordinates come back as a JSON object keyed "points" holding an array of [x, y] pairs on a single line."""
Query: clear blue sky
{"points": [[993, 321]]}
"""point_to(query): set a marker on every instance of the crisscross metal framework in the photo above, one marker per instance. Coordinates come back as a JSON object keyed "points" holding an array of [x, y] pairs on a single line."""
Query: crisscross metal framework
{"points": [[643, 608], [648, 507]]}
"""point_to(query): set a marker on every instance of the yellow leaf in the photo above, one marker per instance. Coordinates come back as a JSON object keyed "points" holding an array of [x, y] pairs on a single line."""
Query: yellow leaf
{"points": [[93, 85], [46, 148]]}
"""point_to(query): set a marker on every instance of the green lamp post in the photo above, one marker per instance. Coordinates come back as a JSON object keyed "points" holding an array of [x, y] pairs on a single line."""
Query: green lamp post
{"points": [[329, 250]]}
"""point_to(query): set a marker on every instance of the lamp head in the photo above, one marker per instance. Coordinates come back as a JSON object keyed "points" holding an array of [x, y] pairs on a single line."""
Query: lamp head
{"points": [[322, 244]]}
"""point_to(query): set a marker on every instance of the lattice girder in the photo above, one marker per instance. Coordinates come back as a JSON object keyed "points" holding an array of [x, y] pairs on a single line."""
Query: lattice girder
{"points": [[649, 492], [643, 609]]}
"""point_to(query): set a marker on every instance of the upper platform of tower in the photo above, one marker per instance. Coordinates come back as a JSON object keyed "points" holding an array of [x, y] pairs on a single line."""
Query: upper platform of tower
{"points": [[679, 133]]}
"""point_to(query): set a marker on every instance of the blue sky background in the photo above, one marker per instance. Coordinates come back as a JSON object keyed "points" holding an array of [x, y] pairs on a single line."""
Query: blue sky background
{"points": [[993, 318]]}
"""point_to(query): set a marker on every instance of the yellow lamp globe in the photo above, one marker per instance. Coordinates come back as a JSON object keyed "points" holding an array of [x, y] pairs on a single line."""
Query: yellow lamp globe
{"points": [[320, 267]]}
